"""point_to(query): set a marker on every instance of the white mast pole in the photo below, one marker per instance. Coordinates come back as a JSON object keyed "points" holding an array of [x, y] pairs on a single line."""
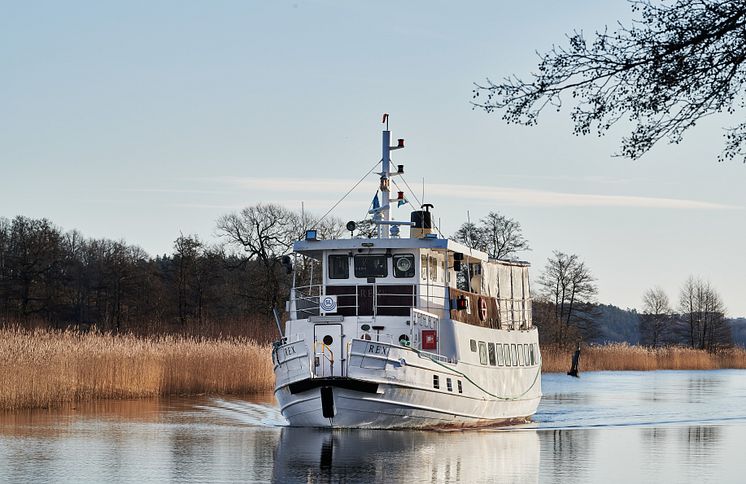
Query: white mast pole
{"points": [[385, 172]]}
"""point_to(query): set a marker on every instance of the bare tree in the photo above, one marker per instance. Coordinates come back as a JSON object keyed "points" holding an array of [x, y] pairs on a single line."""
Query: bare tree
{"points": [[703, 314], [265, 232], [497, 235], [655, 322], [679, 62], [568, 286], [471, 236], [504, 236]]}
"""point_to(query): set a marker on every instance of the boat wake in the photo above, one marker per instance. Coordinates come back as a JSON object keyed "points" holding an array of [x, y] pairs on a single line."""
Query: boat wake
{"points": [[247, 413]]}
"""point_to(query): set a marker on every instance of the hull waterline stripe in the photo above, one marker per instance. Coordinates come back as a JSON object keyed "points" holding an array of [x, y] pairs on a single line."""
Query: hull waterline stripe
{"points": [[425, 408]]}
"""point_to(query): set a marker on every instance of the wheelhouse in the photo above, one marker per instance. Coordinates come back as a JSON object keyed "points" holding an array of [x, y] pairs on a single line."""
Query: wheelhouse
{"points": [[373, 278]]}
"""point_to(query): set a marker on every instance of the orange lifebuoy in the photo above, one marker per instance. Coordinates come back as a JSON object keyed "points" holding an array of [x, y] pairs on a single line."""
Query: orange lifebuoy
{"points": [[482, 309]]}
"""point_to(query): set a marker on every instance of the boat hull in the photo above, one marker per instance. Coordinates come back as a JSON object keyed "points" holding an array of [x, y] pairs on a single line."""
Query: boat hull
{"points": [[389, 386], [394, 406]]}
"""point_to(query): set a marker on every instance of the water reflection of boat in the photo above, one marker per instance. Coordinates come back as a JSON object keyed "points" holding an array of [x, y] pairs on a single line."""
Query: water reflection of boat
{"points": [[390, 331], [319, 455]]}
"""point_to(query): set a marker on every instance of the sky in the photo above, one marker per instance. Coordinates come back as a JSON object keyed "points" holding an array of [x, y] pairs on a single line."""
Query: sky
{"points": [[142, 120]]}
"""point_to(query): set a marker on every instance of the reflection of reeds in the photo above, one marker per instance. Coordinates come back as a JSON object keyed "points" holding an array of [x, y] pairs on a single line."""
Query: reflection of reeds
{"points": [[626, 357], [45, 368]]}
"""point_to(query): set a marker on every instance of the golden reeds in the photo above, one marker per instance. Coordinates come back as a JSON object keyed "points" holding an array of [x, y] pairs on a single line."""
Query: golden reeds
{"points": [[44, 368], [622, 356]]}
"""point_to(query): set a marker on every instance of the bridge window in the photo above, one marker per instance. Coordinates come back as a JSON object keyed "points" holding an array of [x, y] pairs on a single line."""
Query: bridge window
{"points": [[433, 269], [436, 382], [508, 361], [339, 266], [367, 265], [514, 352], [473, 345], [449, 384], [403, 265], [460, 387], [500, 360], [482, 353], [491, 352]]}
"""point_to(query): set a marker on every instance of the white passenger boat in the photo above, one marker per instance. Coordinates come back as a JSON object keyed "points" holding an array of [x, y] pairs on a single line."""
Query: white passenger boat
{"points": [[405, 332]]}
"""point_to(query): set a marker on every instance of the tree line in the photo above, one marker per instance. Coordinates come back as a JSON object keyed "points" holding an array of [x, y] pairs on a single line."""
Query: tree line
{"points": [[60, 278], [697, 321]]}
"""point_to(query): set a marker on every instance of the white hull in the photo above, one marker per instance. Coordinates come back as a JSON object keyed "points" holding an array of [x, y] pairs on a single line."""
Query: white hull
{"points": [[397, 407], [396, 391]]}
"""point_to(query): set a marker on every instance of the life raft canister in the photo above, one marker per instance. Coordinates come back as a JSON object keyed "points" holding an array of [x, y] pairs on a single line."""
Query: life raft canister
{"points": [[482, 309]]}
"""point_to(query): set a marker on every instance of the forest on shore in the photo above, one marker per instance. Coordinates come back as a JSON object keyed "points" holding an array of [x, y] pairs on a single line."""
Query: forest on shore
{"points": [[59, 279]]}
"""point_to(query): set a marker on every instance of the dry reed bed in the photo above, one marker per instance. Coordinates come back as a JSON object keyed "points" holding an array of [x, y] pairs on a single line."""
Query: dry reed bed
{"points": [[46, 368], [627, 357]]}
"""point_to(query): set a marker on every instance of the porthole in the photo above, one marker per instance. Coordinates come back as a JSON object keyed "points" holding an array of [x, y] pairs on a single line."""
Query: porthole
{"points": [[404, 340], [328, 340]]}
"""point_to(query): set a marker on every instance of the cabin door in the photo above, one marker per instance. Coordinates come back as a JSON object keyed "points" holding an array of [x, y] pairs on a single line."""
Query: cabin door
{"points": [[365, 301], [328, 355]]}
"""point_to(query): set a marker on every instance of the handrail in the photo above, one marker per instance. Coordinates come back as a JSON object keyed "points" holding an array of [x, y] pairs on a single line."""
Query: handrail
{"points": [[329, 358], [305, 300]]}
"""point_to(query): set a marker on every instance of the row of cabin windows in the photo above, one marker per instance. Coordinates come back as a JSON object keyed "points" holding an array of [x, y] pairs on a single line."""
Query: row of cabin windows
{"points": [[449, 384], [370, 265], [508, 354]]}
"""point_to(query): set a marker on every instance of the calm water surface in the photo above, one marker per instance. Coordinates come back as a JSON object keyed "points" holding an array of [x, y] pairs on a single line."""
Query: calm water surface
{"points": [[605, 427]]}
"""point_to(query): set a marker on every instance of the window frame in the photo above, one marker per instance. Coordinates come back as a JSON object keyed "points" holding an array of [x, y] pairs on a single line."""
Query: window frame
{"points": [[491, 354], [514, 353], [436, 382], [482, 353], [432, 264], [403, 275], [500, 356], [356, 257], [329, 265]]}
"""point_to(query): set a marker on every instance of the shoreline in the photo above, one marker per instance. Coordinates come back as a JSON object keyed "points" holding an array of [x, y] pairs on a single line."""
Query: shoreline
{"points": [[625, 357], [52, 369]]}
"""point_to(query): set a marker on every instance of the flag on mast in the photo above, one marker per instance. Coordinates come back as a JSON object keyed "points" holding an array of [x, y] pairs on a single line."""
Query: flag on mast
{"points": [[376, 203]]}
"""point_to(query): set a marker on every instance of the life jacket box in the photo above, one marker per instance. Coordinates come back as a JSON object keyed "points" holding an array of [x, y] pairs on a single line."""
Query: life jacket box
{"points": [[429, 339]]}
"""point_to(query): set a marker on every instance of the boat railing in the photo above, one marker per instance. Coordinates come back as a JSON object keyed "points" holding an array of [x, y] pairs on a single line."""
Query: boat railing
{"points": [[365, 299], [326, 354]]}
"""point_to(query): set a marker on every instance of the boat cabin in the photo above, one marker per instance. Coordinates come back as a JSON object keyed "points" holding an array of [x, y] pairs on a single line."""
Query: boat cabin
{"points": [[375, 278]]}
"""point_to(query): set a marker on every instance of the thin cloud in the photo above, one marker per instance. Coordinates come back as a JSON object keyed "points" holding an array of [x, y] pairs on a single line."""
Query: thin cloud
{"points": [[170, 190], [505, 195]]}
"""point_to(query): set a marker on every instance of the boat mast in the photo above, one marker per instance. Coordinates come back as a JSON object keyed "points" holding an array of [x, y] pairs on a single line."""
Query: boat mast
{"points": [[383, 216]]}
